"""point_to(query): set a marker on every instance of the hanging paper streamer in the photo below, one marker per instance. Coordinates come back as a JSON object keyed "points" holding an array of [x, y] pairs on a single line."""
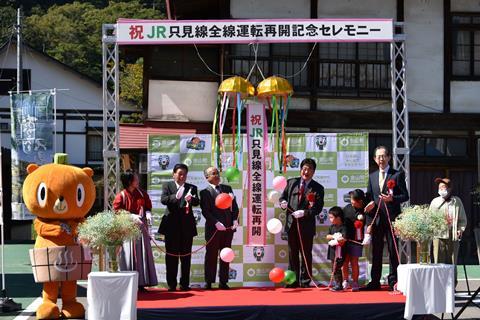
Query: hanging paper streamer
{"points": [[277, 92], [232, 92]]}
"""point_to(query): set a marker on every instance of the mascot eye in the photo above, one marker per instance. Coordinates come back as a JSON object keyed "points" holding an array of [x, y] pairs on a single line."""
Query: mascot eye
{"points": [[80, 195], [42, 194]]}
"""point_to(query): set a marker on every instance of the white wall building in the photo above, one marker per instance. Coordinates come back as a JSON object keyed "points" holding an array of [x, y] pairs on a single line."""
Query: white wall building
{"points": [[78, 110]]}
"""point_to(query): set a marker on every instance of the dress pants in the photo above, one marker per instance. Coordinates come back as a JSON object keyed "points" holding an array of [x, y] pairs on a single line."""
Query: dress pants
{"points": [[178, 243], [222, 239], [378, 233], [295, 254]]}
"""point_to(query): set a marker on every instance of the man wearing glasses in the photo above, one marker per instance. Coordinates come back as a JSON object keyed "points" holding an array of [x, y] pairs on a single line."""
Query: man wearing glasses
{"points": [[387, 189], [224, 221]]}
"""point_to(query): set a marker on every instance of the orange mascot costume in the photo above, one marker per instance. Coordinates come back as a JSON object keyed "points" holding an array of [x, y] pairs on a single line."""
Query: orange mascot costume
{"points": [[60, 196]]}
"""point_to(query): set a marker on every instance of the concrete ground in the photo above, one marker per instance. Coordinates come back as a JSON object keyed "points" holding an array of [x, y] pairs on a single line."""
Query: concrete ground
{"points": [[21, 287]]}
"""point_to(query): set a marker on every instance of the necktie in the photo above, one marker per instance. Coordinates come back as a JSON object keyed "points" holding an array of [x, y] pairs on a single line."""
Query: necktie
{"points": [[217, 188], [381, 180], [302, 190]]}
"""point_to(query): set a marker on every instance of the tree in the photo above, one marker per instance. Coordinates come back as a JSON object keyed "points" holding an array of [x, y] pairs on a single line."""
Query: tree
{"points": [[131, 82], [71, 33], [8, 16]]}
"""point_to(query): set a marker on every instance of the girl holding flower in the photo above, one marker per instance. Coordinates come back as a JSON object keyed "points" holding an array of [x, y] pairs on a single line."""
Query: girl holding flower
{"points": [[355, 223]]}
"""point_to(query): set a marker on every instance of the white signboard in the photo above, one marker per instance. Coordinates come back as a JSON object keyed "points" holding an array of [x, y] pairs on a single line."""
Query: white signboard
{"points": [[133, 32]]}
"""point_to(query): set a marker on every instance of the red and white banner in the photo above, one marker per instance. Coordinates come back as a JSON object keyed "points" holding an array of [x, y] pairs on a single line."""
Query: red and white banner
{"points": [[257, 186], [131, 31]]}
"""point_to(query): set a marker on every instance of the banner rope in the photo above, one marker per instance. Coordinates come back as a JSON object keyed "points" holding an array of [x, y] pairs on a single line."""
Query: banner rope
{"points": [[184, 254]]}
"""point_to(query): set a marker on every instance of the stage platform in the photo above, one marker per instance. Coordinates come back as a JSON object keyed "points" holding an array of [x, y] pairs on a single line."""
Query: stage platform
{"points": [[269, 303]]}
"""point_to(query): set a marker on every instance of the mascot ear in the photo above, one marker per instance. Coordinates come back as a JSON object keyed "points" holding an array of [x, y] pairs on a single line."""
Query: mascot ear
{"points": [[88, 171], [32, 167]]}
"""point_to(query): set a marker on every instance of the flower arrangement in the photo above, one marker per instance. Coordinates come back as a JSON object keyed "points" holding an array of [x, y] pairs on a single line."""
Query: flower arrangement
{"points": [[108, 228], [419, 223]]}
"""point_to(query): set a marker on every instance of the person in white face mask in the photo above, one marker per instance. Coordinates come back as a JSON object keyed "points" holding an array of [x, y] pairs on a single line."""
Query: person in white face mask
{"points": [[445, 247]]}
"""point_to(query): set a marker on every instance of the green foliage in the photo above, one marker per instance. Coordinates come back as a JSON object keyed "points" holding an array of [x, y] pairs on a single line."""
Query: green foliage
{"points": [[131, 82], [7, 22], [108, 228], [136, 117], [71, 33], [419, 223]]}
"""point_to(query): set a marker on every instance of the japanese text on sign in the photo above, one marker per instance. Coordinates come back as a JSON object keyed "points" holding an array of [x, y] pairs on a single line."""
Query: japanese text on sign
{"points": [[256, 131], [246, 31]]}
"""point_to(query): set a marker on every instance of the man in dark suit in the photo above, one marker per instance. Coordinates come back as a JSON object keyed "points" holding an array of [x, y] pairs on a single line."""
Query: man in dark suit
{"points": [[225, 221], [378, 191], [301, 211], [178, 225]]}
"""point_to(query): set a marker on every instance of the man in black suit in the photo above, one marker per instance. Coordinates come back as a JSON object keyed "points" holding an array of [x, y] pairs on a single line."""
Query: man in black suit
{"points": [[225, 221], [301, 211], [178, 225], [377, 189]]}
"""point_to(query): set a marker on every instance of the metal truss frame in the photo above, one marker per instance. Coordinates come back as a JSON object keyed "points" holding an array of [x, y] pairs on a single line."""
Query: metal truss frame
{"points": [[111, 150]]}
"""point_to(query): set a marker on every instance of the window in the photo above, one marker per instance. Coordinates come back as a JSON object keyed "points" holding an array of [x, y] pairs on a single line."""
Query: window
{"points": [[95, 147], [355, 70], [438, 147], [183, 63], [466, 46], [339, 70], [8, 80], [281, 59]]}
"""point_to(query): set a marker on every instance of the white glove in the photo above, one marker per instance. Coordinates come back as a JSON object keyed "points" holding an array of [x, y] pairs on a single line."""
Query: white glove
{"points": [[231, 195], [220, 226], [188, 196], [338, 236], [284, 204], [367, 239], [180, 192], [235, 225], [148, 215], [298, 214], [136, 218], [332, 243]]}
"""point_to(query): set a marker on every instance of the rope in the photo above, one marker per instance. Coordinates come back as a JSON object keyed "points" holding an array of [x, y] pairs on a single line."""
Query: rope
{"points": [[184, 254], [393, 233], [395, 292], [305, 260]]}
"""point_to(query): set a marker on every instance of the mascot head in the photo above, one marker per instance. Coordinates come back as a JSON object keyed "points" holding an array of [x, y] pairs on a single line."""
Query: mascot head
{"points": [[58, 191]]}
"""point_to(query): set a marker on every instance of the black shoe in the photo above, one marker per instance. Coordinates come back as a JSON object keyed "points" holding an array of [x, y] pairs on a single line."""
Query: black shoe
{"points": [[172, 289], [142, 289], [208, 286], [292, 286], [305, 285], [336, 288], [223, 286], [371, 287], [182, 288]]}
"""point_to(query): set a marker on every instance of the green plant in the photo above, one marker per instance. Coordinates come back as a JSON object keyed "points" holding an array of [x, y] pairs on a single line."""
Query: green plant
{"points": [[108, 228], [420, 223]]}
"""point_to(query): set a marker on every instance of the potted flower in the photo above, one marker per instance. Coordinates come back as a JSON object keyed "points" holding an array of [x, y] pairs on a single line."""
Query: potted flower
{"points": [[421, 224], [109, 230]]}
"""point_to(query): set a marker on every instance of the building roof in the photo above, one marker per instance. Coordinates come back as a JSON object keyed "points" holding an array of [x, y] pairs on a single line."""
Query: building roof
{"points": [[81, 74]]}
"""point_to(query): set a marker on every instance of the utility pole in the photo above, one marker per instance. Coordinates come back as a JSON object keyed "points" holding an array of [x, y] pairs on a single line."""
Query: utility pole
{"points": [[18, 28]]}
